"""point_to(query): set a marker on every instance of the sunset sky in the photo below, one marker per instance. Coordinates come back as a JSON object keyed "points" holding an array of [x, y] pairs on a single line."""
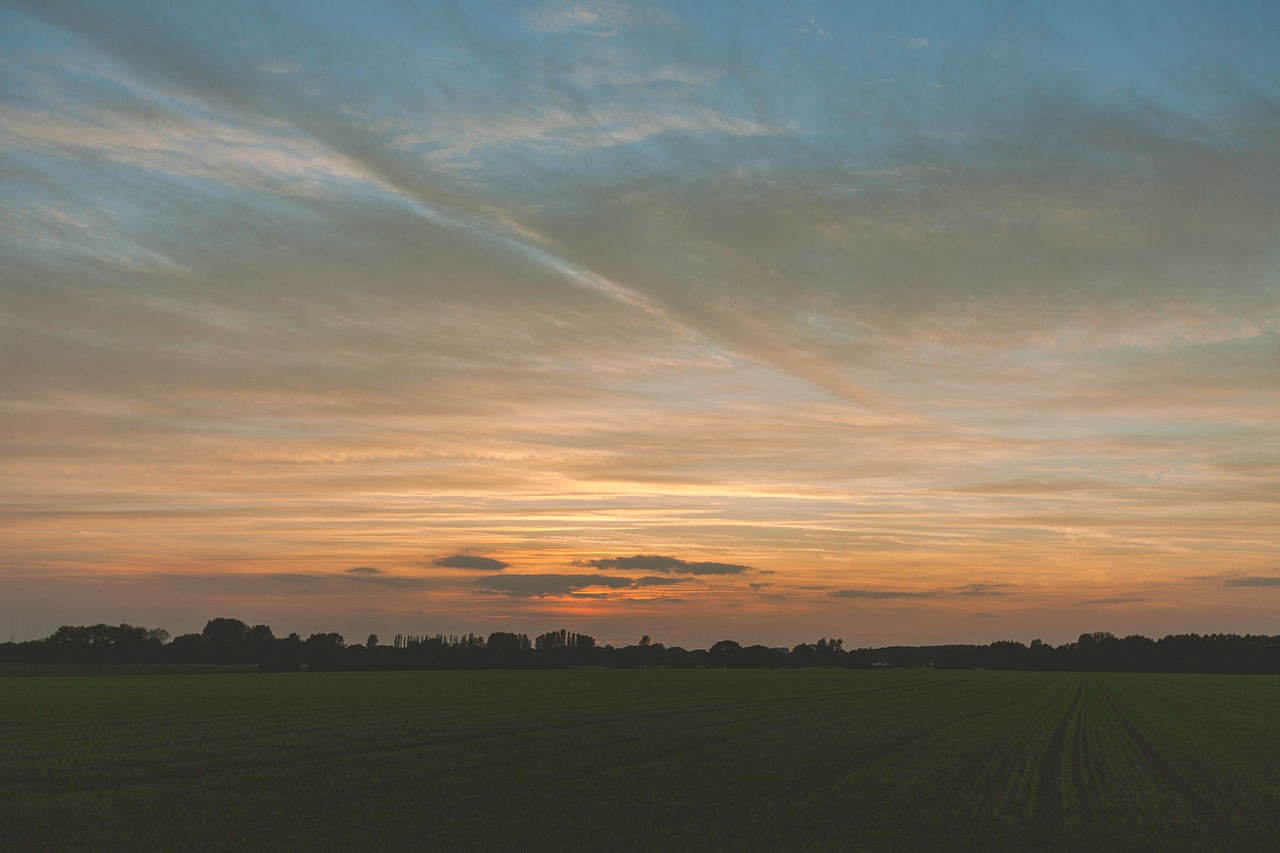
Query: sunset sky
{"points": [[901, 323]]}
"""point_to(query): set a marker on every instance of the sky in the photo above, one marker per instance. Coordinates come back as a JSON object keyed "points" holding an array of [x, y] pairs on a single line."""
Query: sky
{"points": [[903, 323]]}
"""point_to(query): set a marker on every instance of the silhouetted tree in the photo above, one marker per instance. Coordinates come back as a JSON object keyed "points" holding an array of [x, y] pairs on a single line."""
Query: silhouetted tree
{"points": [[224, 630], [507, 649], [259, 643], [226, 641], [323, 651], [186, 648], [723, 653], [103, 644]]}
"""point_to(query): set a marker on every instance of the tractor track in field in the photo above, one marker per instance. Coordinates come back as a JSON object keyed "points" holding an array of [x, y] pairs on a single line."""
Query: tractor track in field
{"points": [[1198, 806], [1085, 806], [1048, 808]]}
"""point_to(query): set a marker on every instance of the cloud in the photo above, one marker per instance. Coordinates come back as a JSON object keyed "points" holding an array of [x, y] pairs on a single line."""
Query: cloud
{"points": [[471, 561], [643, 562], [551, 584], [984, 589], [395, 581], [539, 585], [651, 580], [1117, 600], [558, 131], [879, 593], [657, 563], [608, 74], [177, 144], [320, 582], [280, 66], [602, 18], [973, 589], [284, 577], [1252, 580], [252, 584]]}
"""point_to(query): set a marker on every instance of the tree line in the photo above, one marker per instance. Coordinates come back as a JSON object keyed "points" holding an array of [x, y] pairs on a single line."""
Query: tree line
{"points": [[231, 641]]}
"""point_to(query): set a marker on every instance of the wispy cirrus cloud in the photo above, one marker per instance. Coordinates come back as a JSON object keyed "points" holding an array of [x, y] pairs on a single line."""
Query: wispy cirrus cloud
{"points": [[562, 131], [177, 144], [602, 17]]}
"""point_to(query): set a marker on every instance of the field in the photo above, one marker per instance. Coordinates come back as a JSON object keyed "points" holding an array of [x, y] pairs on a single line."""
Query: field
{"points": [[640, 760]]}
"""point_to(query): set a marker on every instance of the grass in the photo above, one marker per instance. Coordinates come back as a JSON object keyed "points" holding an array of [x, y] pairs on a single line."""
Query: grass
{"points": [[15, 670], [641, 760]]}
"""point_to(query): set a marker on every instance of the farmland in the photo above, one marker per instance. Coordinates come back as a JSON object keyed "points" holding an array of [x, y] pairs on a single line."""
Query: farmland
{"points": [[640, 760]]}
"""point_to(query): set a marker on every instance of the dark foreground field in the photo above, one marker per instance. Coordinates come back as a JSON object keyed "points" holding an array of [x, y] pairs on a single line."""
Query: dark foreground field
{"points": [[641, 760]]}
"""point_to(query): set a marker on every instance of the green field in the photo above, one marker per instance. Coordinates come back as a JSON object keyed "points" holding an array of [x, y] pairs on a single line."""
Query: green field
{"points": [[641, 760], [14, 670]]}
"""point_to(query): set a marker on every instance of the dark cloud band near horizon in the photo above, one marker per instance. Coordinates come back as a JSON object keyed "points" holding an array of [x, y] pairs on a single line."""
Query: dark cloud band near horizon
{"points": [[542, 585], [658, 563]]}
